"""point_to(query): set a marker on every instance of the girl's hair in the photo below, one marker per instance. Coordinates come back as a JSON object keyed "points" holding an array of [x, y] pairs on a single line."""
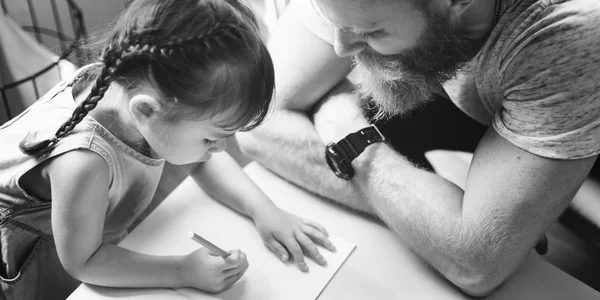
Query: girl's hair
{"points": [[205, 57]]}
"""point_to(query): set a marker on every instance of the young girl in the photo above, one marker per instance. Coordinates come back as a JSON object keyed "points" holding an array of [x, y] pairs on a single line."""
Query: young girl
{"points": [[176, 77]]}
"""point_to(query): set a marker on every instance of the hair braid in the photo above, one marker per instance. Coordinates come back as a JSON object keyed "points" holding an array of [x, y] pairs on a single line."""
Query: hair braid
{"points": [[112, 60], [139, 44], [173, 46], [131, 45]]}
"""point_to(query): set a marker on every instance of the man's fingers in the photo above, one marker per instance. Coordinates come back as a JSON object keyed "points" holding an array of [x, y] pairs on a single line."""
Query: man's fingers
{"points": [[318, 236], [316, 225], [311, 249], [277, 249]]}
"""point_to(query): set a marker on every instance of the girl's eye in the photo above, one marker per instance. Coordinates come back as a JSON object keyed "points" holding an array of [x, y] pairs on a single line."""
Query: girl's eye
{"points": [[210, 142]]}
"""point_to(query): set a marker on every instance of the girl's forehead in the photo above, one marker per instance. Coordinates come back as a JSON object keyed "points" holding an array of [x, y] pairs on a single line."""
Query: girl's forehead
{"points": [[217, 125], [220, 133], [208, 126]]}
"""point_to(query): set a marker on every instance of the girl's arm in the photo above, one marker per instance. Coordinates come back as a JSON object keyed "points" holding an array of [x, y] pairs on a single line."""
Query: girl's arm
{"points": [[80, 184], [223, 179]]}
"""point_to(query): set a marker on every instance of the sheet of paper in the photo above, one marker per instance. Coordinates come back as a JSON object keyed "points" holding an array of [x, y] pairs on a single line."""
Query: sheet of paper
{"points": [[91, 292], [268, 278]]}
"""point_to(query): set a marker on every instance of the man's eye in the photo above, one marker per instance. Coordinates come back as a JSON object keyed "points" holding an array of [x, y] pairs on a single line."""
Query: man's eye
{"points": [[374, 35], [210, 142]]}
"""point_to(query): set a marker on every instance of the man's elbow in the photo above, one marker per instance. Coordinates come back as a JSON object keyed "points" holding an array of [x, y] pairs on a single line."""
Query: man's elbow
{"points": [[477, 285], [479, 282]]}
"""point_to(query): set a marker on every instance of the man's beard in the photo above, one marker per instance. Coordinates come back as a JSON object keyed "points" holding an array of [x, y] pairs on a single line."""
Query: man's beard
{"points": [[397, 84]]}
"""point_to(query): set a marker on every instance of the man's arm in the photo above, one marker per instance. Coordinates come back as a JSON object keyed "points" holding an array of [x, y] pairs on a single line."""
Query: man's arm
{"points": [[306, 68], [478, 237]]}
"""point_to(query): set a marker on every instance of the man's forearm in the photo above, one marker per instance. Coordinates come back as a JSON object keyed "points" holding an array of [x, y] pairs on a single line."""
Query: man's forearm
{"points": [[289, 145], [425, 210]]}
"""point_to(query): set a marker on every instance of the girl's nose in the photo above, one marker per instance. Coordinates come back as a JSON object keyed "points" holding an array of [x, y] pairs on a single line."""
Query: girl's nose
{"points": [[219, 146]]}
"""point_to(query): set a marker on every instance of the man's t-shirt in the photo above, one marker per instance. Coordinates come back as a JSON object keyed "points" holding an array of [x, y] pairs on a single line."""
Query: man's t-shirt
{"points": [[536, 80]]}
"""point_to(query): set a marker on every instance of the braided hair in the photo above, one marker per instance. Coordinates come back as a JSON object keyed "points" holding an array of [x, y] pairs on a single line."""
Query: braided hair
{"points": [[204, 56]]}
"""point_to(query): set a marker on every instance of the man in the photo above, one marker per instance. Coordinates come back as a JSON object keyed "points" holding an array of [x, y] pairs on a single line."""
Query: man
{"points": [[528, 69]]}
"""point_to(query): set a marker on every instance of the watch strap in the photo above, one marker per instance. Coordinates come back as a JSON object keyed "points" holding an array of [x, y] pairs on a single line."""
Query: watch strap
{"points": [[355, 143]]}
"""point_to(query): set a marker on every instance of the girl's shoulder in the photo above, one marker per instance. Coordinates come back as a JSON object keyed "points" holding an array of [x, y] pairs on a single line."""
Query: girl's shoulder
{"points": [[56, 176], [77, 173]]}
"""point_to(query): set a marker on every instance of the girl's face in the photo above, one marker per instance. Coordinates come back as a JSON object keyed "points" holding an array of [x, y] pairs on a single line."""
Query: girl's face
{"points": [[186, 141], [177, 141]]}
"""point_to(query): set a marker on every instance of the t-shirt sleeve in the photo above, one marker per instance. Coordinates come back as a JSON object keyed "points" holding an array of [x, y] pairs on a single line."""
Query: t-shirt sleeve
{"points": [[310, 15], [551, 87]]}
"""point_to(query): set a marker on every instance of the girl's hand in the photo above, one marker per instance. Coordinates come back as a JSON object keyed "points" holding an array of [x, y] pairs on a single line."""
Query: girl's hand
{"points": [[285, 234], [208, 272]]}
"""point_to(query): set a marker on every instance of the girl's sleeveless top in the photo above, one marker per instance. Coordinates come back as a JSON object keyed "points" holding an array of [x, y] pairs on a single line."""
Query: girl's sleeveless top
{"points": [[25, 218]]}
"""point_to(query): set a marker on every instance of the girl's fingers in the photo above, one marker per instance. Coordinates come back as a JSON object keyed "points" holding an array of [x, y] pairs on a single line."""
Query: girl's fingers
{"points": [[277, 249], [316, 225], [311, 249], [292, 246], [318, 237], [241, 268], [231, 280], [211, 258], [234, 260]]}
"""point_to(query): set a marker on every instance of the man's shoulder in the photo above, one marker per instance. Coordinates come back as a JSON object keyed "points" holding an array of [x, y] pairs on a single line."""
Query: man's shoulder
{"points": [[541, 75], [558, 33], [539, 20]]}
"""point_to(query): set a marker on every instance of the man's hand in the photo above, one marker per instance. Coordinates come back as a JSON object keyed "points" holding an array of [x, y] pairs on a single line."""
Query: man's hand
{"points": [[340, 114]]}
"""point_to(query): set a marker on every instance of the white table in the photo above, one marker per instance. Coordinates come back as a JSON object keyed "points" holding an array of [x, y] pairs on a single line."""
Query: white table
{"points": [[380, 267]]}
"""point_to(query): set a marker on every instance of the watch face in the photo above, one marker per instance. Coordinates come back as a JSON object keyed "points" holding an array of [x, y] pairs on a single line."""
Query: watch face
{"points": [[338, 162]]}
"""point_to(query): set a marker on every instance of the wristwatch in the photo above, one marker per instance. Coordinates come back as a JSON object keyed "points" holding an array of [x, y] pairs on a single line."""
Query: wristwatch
{"points": [[339, 156]]}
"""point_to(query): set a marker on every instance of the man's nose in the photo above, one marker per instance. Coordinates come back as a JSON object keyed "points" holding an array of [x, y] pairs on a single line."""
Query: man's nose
{"points": [[347, 43], [219, 146]]}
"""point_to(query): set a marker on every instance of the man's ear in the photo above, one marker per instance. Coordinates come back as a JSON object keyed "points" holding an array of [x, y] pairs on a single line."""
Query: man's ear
{"points": [[458, 7], [144, 108]]}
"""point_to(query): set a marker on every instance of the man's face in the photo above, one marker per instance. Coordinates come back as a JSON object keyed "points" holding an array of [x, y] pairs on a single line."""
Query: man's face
{"points": [[401, 51]]}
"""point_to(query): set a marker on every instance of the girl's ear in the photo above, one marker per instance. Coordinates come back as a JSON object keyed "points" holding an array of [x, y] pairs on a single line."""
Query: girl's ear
{"points": [[145, 108]]}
